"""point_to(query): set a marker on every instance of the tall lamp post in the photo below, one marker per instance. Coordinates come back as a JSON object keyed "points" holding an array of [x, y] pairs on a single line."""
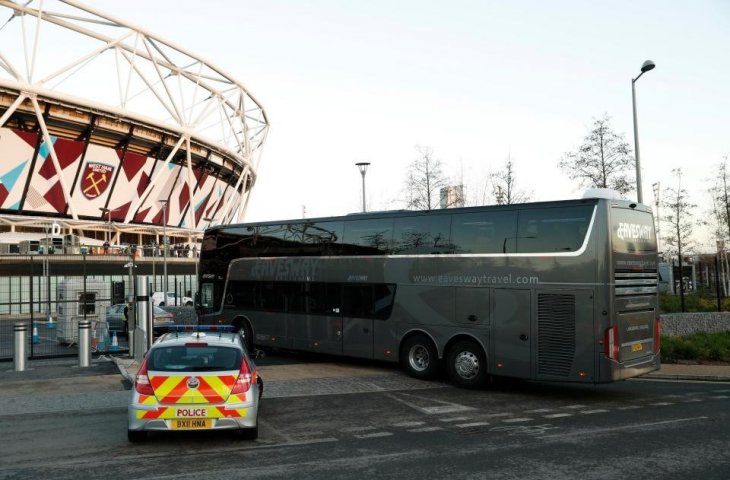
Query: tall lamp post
{"points": [[645, 67], [363, 167], [165, 245]]}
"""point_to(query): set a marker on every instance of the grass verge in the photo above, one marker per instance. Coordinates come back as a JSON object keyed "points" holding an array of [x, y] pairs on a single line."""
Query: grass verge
{"points": [[700, 347]]}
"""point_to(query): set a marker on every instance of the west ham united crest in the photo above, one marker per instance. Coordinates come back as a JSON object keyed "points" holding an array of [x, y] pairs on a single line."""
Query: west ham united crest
{"points": [[95, 179]]}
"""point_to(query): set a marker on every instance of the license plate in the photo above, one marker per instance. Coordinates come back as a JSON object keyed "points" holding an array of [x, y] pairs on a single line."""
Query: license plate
{"points": [[190, 423], [637, 347]]}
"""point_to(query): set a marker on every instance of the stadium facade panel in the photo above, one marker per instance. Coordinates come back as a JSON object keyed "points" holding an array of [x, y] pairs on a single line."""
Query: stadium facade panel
{"points": [[178, 142]]}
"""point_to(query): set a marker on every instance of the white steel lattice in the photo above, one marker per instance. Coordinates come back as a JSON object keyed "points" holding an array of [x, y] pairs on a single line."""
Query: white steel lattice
{"points": [[70, 71]]}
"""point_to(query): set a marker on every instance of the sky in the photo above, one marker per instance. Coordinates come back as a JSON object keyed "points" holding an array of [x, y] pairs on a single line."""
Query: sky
{"points": [[475, 81]]}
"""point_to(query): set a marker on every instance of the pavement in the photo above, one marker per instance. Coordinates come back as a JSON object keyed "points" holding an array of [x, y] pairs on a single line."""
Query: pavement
{"points": [[49, 385], [669, 371]]}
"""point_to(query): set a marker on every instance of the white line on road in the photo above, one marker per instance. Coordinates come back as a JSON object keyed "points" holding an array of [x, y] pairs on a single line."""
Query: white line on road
{"points": [[470, 425], [625, 427], [591, 412], [453, 419], [408, 424], [558, 415], [517, 420], [425, 429], [374, 435]]}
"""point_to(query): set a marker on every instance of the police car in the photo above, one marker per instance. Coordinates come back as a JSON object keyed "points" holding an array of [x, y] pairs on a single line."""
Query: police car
{"points": [[196, 378]]}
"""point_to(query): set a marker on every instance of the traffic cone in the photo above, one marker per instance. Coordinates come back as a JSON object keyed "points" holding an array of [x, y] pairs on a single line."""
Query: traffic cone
{"points": [[35, 339], [115, 343], [50, 324]]}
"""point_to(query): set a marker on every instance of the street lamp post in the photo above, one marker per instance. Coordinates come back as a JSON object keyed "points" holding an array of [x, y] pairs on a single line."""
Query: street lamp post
{"points": [[165, 244], [363, 167], [645, 67]]}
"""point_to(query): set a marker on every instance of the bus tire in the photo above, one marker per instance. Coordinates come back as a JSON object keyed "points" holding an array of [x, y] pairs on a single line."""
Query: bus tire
{"points": [[244, 329], [466, 364], [419, 357]]}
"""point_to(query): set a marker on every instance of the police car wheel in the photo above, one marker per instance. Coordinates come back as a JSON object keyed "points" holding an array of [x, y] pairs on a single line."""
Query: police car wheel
{"points": [[136, 436]]}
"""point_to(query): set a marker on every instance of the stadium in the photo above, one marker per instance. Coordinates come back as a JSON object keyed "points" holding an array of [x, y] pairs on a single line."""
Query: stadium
{"points": [[111, 133]]}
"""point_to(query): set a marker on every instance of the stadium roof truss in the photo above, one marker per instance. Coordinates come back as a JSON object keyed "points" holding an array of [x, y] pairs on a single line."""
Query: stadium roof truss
{"points": [[68, 70]]}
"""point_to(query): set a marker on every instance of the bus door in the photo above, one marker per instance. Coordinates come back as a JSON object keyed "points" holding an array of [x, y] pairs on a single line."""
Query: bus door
{"points": [[320, 328], [357, 330], [512, 333]]}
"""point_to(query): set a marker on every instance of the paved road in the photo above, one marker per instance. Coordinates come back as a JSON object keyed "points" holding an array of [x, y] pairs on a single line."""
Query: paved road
{"points": [[362, 421]]}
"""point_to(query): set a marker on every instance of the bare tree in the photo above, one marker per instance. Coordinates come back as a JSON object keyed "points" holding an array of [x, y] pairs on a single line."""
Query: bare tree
{"points": [[720, 216], [424, 181], [679, 219], [602, 160], [504, 185]]}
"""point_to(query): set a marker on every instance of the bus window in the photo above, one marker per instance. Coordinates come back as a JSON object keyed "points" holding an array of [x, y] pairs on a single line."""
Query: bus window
{"points": [[546, 230], [369, 237], [483, 232], [423, 234]]}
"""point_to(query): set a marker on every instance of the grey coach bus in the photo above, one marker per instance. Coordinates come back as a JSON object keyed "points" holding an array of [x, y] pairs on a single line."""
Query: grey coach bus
{"points": [[563, 291]]}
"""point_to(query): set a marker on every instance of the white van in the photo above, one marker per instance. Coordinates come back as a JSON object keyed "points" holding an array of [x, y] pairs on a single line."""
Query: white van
{"points": [[159, 299]]}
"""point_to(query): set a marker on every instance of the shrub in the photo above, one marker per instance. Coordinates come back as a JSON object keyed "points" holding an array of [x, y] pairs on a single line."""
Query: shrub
{"points": [[697, 347], [692, 303]]}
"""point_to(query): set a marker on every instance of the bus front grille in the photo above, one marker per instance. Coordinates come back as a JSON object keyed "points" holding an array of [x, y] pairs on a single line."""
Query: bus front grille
{"points": [[556, 334]]}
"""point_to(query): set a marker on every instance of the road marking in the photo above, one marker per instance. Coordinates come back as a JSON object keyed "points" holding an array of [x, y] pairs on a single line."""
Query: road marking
{"points": [[453, 419], [517, 420], [591, 412], [470, 425], [444, 407], [425, 429], [625, 427], [719, 397], [453, 408], [558, 415], [630, 407], [540, 410], [575, 407], [692, 400], [661, 404], [374, 435]]}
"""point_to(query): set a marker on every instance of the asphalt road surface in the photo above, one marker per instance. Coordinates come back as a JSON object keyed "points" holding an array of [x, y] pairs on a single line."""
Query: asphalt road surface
{"points": [[378, 423]]}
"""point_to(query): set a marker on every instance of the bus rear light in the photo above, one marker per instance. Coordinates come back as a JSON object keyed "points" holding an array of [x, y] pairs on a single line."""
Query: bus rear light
{"points": [[657, 336], [610, 343]]}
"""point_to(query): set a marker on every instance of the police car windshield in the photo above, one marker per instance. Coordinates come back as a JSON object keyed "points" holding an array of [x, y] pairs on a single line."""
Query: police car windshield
{"points": [[183, 358]]}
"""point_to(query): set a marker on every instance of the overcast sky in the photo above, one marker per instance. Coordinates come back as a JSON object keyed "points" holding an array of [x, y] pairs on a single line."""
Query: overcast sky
{"points": [[476, 81]]}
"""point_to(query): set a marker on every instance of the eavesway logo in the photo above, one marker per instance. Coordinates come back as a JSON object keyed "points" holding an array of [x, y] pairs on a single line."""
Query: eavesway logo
{"points": [[634, 231]]}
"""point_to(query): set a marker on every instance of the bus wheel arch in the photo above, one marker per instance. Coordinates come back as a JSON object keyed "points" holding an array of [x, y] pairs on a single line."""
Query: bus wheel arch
{"points": [[419, 355], [243, 326], [466, 362]]}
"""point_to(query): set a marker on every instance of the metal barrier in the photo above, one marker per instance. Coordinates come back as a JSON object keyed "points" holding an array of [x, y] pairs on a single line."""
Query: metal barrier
{"points": [[20, 335], [49, 294], [84, 343]]}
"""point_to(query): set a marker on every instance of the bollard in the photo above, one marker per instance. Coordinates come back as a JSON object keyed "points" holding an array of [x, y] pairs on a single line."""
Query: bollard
{"points": [[84, 340], [20, 334]]}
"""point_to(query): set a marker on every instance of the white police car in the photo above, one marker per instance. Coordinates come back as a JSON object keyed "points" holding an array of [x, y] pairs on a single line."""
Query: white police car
{"points": [[196, 378]]}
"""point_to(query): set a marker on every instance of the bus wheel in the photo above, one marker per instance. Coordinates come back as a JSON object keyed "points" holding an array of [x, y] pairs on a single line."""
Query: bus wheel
{"points": [[244, 329], [419, 357], [466, 364]]}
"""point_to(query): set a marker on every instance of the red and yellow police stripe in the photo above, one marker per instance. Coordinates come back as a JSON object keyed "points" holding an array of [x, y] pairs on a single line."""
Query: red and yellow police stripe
{"points": [[173, 389]]}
